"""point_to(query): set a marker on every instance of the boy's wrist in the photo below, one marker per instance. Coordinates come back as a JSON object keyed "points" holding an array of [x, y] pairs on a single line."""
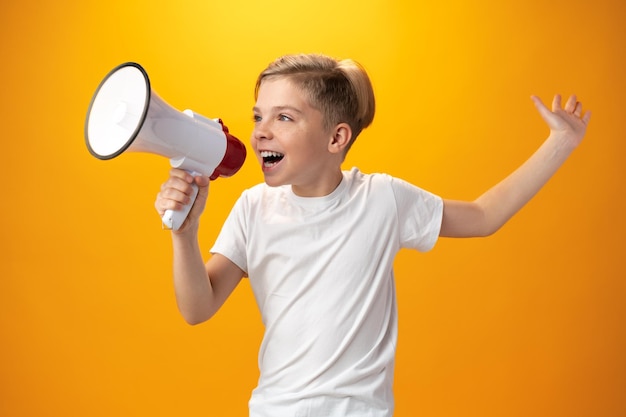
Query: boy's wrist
{"points": [[563, 141], [188, 231]]}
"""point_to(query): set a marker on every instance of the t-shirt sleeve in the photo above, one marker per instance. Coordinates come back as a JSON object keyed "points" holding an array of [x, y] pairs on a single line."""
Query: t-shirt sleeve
{"points": [[419, 215], [231, 241]]}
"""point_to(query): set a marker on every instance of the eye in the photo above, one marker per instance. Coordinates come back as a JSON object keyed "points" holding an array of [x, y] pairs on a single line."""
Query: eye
{"points": [[284, 118], [256, 118]]}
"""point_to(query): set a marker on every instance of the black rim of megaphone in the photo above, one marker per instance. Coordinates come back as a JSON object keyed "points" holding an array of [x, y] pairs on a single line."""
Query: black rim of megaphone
{"points": [[143, 115]]}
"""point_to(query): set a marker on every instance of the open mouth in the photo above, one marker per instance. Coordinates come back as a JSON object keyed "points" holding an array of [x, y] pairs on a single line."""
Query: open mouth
{"points": [[271, 158]]}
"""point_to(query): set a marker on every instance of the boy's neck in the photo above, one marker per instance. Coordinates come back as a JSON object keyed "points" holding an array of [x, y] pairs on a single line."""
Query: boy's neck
{"points": [[320, 188]]}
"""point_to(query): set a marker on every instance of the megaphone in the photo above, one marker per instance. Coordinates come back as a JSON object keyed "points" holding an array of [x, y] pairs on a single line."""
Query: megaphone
{"points": [[125, 114]]}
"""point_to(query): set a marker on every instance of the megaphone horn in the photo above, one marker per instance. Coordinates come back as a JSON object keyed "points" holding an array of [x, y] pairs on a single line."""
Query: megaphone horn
{"points": [[125, 114]]}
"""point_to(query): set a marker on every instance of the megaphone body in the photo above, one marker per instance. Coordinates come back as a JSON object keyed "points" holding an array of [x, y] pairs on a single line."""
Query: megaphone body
{"points": [[126, 115]]}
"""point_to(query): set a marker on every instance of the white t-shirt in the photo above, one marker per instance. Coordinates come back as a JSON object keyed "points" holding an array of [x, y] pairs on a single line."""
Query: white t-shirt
{"points": [[322, 274]]}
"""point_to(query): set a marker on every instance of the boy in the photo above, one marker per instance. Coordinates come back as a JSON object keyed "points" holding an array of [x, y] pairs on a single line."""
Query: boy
{"points": [[318, 243]]}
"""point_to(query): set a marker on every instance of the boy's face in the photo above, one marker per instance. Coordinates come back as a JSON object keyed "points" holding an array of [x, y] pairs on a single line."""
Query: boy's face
{"points": [[290, 141]]}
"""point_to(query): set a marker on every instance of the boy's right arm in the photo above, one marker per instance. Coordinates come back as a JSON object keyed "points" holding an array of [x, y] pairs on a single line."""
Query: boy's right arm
{"points": [[200, 288]]}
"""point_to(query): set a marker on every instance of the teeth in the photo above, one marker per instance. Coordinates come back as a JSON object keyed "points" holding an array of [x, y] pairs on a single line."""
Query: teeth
{"points": [[269, 154]]}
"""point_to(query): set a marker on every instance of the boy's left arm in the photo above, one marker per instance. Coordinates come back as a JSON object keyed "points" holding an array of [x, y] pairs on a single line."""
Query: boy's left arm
{"points": [[493, 209]]}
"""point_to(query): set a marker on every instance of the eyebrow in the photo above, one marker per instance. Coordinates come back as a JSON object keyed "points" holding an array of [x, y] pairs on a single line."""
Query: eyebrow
{"points": [[280, 108]]}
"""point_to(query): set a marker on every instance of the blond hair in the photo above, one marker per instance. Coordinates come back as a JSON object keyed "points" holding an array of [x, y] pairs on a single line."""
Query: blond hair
{"points": [[340, 89]]}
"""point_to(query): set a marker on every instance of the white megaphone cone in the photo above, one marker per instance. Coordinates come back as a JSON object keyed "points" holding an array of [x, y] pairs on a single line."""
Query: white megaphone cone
{"points": [[126, 115]]}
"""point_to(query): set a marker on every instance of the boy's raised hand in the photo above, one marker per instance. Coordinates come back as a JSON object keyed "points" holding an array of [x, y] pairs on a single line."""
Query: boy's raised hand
{"points": [[568, 121]]}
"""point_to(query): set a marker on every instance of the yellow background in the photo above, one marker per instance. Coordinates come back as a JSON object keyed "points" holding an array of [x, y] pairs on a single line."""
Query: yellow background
{"points": [[529, 322]]}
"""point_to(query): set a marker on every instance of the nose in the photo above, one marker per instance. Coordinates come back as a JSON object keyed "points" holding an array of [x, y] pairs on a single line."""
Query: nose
{"points": [[262, 131]]}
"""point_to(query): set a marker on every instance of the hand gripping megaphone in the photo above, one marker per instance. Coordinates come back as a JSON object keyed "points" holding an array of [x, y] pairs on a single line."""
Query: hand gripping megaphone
{"points": [[126, 115]]}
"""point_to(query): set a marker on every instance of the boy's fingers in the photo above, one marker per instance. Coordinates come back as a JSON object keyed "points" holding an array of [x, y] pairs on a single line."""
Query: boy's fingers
{"points": [[182, 174], [177, 183], [202, 181], [570, 105], [556, 102], [578, 110]]}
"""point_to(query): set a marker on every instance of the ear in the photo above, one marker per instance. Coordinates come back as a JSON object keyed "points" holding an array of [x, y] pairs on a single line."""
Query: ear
{"points": [[341, 136]]}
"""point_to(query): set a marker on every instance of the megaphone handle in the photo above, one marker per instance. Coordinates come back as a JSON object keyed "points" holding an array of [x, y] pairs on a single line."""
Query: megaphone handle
{"points": [[173, 219]]}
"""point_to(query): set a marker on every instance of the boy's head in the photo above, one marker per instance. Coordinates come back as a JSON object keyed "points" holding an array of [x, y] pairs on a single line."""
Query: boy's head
{"points": [[339, 89]]}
